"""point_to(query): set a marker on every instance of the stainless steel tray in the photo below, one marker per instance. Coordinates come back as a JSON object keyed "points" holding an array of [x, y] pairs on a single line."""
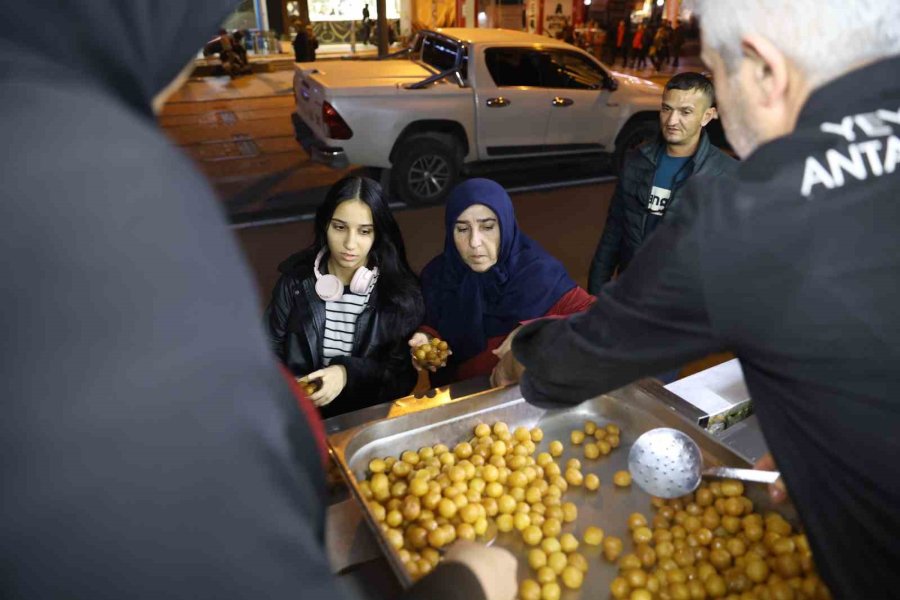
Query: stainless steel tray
{"points": [[635, 408]]}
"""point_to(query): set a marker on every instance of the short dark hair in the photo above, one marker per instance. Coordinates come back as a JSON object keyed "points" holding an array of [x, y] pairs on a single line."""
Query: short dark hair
{"points": [[693, 81]]}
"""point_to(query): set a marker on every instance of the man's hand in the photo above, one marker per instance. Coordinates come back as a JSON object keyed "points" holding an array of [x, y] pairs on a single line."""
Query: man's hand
{"points": [[506, 346], [495, 568], [507, 372], [333, 378], [777, 491]]}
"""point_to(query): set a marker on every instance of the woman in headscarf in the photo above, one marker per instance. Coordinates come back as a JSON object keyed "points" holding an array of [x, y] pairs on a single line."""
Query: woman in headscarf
{"points": [[489, 280]]}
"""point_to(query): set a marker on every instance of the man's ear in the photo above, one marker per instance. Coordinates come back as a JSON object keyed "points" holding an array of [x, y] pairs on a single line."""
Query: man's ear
{"points": [[769, 69], [710, 114]]}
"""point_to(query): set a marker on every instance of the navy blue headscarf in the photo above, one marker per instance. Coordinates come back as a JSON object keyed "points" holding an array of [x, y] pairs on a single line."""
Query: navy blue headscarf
{"points": [[468, 308]]}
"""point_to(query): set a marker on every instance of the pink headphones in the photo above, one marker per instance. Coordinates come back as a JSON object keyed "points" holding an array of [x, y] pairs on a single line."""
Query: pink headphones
{"points": [[330, 288]]}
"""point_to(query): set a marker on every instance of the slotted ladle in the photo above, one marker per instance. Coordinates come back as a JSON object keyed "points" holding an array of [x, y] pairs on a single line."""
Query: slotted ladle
{"points": [[667, 463]]}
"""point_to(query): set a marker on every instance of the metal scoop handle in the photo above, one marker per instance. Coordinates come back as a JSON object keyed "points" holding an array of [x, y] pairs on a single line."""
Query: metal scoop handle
{"points": [[742, 474]]}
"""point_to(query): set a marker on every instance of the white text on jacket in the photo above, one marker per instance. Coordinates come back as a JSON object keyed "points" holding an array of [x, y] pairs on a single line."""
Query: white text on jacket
{"points": [[877, 155]]}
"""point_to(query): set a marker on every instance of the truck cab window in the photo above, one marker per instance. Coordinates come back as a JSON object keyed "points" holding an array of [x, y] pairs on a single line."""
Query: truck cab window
{"points": [[570, 70], [513, 67]]}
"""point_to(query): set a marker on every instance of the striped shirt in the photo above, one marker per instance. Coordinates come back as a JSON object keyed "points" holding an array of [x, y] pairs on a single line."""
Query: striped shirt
{"points": [[340, 324]]}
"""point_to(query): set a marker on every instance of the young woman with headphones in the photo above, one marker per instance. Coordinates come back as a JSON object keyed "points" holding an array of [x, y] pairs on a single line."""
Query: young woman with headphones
{"points": [[343, 308]]}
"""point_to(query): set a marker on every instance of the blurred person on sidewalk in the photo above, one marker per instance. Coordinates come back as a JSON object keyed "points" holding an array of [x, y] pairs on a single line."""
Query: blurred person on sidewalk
{"points": [[302, 42], [677, 43], [637, 45]]}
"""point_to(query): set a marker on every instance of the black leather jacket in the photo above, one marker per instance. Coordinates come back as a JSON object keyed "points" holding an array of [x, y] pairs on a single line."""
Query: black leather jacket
{"points": [[379, 370], [625, 228]]}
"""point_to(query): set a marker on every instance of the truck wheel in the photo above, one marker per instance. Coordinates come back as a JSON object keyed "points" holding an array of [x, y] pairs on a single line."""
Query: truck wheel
{"points": [[633, 135], [426, 168]]}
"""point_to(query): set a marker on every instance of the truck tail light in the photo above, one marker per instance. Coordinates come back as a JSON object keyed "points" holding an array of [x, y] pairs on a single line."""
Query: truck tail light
{"points": [[337, 127]]}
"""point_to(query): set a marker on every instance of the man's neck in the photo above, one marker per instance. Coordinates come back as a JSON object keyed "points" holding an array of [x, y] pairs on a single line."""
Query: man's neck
{"points": [[682, 150]]}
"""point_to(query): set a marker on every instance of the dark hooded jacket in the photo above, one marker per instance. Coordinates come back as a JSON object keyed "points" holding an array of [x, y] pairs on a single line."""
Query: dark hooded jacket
{"points": [[626, 223], [151, 447], [379, 368]]}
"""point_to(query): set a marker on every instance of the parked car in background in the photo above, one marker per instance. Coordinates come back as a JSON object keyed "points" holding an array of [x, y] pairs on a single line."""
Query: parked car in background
{"points": [[465, 97]]}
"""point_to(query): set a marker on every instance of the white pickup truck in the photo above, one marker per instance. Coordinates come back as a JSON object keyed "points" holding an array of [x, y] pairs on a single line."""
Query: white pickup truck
{"points": [[466, 96]]}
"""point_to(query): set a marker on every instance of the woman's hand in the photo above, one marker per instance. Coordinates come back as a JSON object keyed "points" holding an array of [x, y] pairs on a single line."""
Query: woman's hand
{"points": [[415, 341], [333, 380], [777, 491], [419, 339]]}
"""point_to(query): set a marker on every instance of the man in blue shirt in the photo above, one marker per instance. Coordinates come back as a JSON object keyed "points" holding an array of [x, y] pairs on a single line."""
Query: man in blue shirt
{"points": [[653, 174]]}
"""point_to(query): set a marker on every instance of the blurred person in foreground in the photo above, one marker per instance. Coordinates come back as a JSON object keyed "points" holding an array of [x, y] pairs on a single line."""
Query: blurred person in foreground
{"points": [[793, 263], [152, 449]]}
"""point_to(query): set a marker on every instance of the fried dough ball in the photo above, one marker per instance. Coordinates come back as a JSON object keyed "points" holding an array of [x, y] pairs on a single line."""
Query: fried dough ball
{"points": [[572, 577], [556, 448], [557, 561], [622, 479], [568, 542], [550, 545], [612, 548], [574, 477], [532, 535], [545, 575], [593, 536], [537, 558], [619, 588], [591, 482], [529, 589], [434, 353], [577, 560], [636, 520], [550, 591]]}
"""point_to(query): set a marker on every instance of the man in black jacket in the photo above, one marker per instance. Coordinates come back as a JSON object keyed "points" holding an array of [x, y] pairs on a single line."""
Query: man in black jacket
{"points": [[654, 173], [792, 262]]}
